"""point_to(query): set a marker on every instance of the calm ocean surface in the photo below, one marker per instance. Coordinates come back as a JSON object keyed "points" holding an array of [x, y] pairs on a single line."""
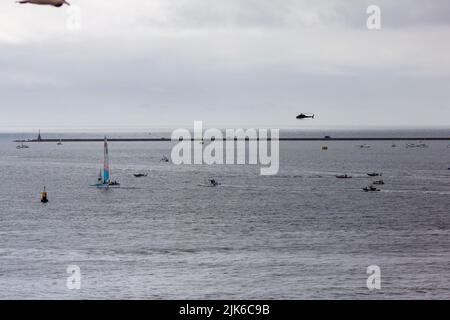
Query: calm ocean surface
{"points": [[302, 234]]}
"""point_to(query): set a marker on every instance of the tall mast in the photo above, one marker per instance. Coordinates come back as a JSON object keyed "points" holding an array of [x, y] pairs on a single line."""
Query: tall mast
{"points": [[106, 163]]}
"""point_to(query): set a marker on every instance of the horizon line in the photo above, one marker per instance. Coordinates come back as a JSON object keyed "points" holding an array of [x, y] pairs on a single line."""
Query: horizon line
{"points": [[147, 129]]}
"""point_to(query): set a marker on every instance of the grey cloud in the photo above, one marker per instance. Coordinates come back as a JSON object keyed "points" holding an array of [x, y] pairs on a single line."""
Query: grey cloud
{"points": [[233, 62], [298, 13]]}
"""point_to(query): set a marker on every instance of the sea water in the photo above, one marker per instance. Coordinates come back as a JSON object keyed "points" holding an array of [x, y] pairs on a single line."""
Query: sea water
{"points": [[301, 234]]}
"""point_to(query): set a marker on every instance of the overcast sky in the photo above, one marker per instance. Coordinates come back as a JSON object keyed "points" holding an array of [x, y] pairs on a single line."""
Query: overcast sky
{"points": [[165, 63]]}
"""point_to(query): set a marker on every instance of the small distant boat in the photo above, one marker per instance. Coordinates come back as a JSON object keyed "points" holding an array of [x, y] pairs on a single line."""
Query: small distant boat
{"points": [[60, 142], [164, 159], [393, 145], [371, 189], [363, 146], [213, 182], [379, 182], [324, 148], [416, 145], [344, 176], [22, 146], [374, 174], [104, 180], [141, 175]]}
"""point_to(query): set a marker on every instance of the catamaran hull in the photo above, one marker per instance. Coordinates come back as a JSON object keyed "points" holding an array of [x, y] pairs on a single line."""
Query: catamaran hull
{"points": [[105, 186]]}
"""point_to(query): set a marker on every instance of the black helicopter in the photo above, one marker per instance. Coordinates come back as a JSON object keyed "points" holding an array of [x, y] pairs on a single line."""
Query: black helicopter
{"points": [[302, 116]]}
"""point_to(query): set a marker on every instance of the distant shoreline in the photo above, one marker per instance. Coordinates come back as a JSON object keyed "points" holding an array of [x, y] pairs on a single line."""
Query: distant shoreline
{"points": [[236, 139]]}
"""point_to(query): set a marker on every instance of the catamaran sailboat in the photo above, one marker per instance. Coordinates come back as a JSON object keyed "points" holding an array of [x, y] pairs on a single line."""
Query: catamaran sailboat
{"points": [[104, 180]]}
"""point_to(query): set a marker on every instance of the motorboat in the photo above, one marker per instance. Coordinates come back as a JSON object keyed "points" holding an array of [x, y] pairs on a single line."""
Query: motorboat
{"points": [[343, 176], [371, 189], [141, 175], [374, 174], [22, 146], [213, 182], [379, 182], [416, 145]]}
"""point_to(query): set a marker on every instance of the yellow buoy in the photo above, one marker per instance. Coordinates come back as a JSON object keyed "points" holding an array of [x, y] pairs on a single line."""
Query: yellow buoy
{"points": [[44, 196]]}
